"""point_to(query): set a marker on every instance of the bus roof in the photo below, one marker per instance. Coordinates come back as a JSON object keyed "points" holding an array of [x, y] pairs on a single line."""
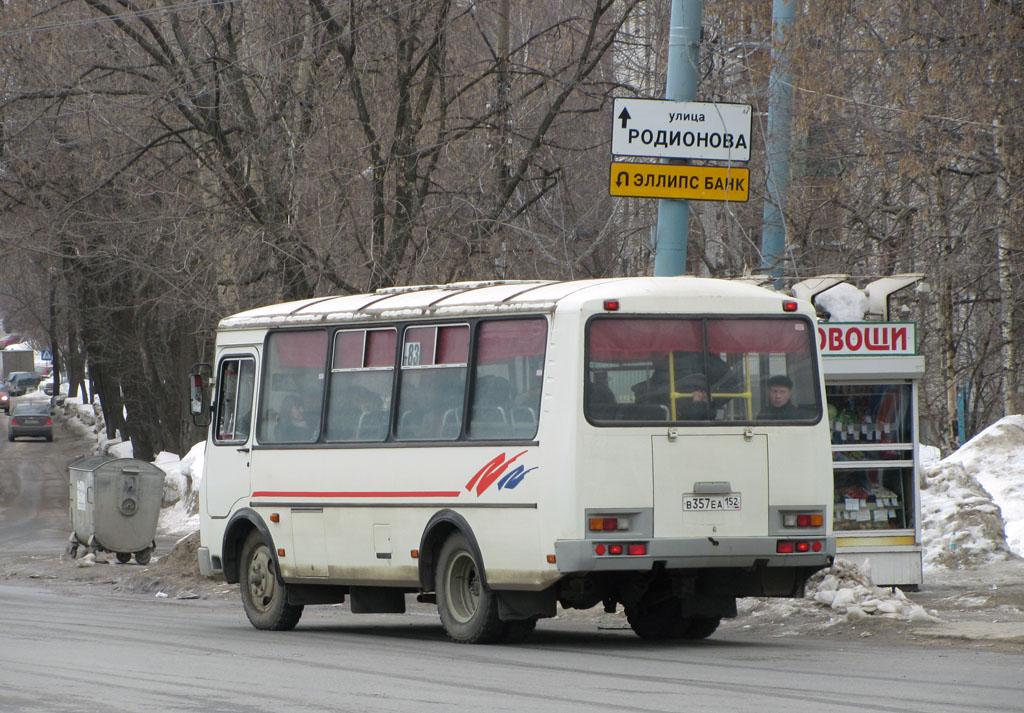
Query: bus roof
{"points": [[508, 296]]}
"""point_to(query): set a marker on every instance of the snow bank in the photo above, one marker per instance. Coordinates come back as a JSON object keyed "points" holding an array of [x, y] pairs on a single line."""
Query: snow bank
{"points": [[847, 590], [995, 459], [972, 502], [840, 594], [180, 512]]}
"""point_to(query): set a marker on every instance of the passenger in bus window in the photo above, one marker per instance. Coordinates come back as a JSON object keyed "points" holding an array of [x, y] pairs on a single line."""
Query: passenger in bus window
{"points": [[654, 389], [780, 406], [693, 406], [294, 425], [599, 391]]}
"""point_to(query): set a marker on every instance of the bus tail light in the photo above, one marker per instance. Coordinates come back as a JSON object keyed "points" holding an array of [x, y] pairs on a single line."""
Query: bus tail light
{"points": [[789, 547], [789, 306], [616, 548], [611, 305], [604, 524], [803, 519]]}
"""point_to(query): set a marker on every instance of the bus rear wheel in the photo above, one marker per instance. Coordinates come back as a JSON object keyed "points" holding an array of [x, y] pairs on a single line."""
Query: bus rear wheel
{"points": [[468, 609], [264, 597], [516, 632], [701, 627], [658, 622], [665, 621]]}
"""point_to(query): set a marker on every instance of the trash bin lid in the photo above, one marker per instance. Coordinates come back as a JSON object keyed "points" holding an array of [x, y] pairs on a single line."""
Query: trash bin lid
{"points": [[90, 462], [112, 464]]}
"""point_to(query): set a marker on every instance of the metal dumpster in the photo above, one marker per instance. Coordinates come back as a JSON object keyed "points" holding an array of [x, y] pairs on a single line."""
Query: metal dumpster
{"points": [[114, 505]]}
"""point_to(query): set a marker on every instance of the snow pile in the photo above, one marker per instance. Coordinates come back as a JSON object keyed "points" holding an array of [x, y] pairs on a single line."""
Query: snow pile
{"points": [[847, 590], [844, 302], [995, 459], [972, 502], [180, 511]]}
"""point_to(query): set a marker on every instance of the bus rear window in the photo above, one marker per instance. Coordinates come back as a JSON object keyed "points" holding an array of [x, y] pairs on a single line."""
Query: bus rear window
{"points": [[696, 370]]}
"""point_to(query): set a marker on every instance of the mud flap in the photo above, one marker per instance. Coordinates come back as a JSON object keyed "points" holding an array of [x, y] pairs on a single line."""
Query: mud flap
{"points": [[517, 606]]}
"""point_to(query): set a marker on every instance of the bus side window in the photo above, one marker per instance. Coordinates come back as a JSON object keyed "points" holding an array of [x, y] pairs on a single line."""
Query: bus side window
{"points": [[432, 382], [362, 372], [507, 376], [234, 400], [294, 374]]}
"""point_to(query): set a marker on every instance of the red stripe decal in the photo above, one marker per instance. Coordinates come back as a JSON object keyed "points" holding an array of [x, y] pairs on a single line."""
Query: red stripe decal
{"points": [[360, 494]]}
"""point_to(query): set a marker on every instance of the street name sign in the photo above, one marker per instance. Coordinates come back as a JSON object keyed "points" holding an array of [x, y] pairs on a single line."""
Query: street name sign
{"points": [[667, 129], [662, 180]]}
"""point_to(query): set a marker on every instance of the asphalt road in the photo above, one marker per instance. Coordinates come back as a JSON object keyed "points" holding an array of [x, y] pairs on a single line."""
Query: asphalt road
{"points": [[34, 488], [101, 653]]}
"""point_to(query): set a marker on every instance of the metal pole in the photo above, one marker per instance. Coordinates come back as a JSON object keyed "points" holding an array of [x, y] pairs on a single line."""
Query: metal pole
{"points": [[780, 87], [680, 85]]}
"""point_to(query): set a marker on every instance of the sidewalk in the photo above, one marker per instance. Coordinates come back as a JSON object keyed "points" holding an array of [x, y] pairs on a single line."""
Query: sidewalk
{"points": [[980, 604]]}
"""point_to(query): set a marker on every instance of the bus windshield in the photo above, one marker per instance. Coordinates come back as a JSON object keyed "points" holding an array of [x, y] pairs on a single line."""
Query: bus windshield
{"points": [[700, 369]]}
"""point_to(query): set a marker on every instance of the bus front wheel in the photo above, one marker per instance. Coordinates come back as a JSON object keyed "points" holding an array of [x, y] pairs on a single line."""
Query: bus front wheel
{"points": [[264, 597], [468, 609]]}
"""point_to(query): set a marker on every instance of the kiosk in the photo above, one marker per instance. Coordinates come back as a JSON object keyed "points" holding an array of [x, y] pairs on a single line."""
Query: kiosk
{"points": [[872, 371]]}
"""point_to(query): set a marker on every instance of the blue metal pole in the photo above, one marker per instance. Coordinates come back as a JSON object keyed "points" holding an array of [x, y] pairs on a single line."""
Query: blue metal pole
{"points": [[780, 87], [680, 85]]}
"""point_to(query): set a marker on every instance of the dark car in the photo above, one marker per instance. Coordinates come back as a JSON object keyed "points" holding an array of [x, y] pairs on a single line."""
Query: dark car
{"points": [[5, 399], [21, 382], [30, 418]]}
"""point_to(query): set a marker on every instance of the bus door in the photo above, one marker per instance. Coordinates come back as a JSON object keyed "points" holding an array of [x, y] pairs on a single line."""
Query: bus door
{"points": [[228, 453]]}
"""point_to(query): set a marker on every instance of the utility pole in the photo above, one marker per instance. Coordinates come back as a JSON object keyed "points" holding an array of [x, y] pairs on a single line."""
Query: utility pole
{"points": [[680, 85], [780, 88]]}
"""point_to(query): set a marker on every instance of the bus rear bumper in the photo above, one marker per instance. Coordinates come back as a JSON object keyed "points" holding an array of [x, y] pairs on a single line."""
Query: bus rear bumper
{"points": [[573, 556]]}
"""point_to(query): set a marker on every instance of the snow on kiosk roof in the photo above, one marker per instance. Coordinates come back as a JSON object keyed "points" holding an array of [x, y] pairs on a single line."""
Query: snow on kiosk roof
{"points": [[660, 294]]}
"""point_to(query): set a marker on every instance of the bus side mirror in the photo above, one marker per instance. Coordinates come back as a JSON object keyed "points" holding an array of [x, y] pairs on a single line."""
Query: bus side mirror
{"points": [[198, 394]]}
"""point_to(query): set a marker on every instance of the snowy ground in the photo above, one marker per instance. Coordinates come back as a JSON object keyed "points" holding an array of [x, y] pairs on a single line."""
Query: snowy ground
{"points": [[972, 515]]}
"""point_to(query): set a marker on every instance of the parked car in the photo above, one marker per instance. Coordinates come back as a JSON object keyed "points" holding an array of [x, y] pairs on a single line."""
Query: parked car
{"points": [[21, 382], [30, 418], [5, 400]]}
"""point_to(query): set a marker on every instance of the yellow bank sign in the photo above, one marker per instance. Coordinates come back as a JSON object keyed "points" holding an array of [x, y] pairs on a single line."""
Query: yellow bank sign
{"points": [[698, 183]]}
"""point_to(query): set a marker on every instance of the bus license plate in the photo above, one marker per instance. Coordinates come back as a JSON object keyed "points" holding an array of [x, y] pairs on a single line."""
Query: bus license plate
{"points": [[707, 503]]}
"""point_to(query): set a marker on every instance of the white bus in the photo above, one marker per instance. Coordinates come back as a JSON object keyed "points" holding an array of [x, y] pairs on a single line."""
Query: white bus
{"points": [[503, 448]]}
